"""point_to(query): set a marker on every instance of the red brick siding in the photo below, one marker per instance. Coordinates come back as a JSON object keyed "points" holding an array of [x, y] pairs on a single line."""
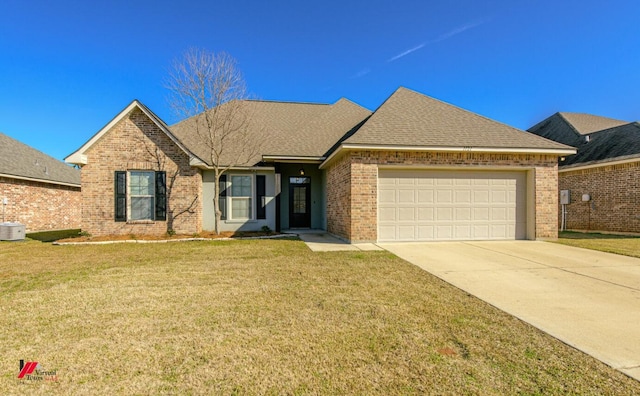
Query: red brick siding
{"points": [[40, 206], [615, 198], [136, 143], [354, 215]]}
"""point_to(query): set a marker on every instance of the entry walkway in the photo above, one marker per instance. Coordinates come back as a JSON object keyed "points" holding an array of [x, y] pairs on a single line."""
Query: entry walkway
{"points": [[588, 299], [321, 241]]}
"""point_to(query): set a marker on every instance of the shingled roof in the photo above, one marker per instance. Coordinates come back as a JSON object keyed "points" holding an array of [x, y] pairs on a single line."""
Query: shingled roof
{"points": [[17, 160], [588, 123], [285, 129], [598, 139], [410, 119]]}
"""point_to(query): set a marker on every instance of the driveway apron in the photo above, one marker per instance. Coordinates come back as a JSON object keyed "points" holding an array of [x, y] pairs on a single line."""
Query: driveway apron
{"points": [[588, 299]]}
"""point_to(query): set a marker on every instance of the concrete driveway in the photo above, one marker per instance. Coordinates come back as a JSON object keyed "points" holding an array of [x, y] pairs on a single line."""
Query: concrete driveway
{"points": [[588, 299]]}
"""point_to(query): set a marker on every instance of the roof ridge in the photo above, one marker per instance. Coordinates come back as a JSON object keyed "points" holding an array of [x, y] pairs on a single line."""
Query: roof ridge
{"points": [[573, 128], [287, 102], [634, 123]]}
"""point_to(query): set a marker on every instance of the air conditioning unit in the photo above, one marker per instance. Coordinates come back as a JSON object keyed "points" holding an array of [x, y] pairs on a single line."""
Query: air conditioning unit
{"points": [[12, 231]]}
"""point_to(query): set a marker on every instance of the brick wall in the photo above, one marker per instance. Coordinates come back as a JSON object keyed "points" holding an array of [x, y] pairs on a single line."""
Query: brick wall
{"points": [[615, 198], [136, 143], [40, 206], [339, 197], [352, 186]]}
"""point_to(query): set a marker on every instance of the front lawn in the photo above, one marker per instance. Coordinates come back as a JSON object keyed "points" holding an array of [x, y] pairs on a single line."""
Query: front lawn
{"points": [[270, 316], [620, 244]]}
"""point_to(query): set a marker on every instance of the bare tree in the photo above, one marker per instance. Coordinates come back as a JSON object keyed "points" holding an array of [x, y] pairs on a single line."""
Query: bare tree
{"points": [[209, 91], [162, 163]]}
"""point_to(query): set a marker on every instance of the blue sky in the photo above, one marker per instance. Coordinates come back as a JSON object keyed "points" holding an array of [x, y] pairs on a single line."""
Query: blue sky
{"points": [[68, 67]]}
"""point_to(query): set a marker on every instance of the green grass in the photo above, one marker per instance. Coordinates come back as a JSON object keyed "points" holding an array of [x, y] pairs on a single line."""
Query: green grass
{"points": [[265, 317], [50, 236], [620, 244]]}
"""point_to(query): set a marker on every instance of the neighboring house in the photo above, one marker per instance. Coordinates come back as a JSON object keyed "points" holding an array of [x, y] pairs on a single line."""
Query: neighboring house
{"points": [[604, 176], [37, 190], [416, 169]]}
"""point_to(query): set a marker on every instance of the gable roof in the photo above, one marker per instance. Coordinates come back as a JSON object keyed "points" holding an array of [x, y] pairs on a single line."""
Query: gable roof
{"points": [[587, 123], [79, 157], [285, 129], [23, 162], [410, 119], [615, 140]]}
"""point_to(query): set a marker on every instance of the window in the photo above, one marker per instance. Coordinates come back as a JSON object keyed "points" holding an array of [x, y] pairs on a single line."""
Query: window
{"points": [[241, 193], [140, 195]]}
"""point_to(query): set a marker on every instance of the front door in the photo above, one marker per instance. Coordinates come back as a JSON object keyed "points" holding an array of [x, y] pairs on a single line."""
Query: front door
{"points": [[299, 202]]}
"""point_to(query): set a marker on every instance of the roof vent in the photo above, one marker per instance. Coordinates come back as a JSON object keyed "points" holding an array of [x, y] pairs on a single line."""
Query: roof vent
{"points": [[587, 138]]}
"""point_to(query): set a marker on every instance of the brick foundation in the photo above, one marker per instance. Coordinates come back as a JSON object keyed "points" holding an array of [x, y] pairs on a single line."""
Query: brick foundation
{"points": [[352, 186], [40, 206]]}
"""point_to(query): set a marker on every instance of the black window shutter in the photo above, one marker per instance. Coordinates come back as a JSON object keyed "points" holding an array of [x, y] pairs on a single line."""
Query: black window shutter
{"points": [[120, 189], [222, 197], [261, 191], [161, 195]]}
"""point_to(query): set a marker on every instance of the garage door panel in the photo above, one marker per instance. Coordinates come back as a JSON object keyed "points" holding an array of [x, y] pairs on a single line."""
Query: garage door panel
{"points": [[406, 233], [481, 214], [387, 233], [444, 196], [444, 214], [406, 214], [451, 205], [461, 196], [387, 215], [406, 196], [425, 196], [425, 214], [387, 196], [425, 232], [480, 196], [463, 214]]}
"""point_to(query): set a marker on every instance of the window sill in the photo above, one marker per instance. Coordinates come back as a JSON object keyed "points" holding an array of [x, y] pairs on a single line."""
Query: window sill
{"points": [[239, 221], [141, 222]]}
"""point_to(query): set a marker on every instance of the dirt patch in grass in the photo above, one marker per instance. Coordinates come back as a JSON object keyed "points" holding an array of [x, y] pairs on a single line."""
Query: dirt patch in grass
{"points": [[163, 237], [266, 317], [628, 245]]}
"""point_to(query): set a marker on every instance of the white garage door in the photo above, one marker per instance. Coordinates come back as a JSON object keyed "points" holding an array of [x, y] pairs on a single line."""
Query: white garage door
{"points": [[419, 205]]}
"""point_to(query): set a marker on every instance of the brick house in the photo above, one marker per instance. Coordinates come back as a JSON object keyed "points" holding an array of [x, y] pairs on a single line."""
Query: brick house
{"points": [[416, 169], [37, 190], [603, 178]]}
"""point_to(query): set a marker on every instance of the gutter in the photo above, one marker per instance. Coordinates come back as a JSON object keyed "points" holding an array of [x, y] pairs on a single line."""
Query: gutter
{"points": [[39, 180], [597, 164]]}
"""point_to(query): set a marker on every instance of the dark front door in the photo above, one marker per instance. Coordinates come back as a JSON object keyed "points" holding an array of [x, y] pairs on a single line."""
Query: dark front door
{"points": [[299, 202]]}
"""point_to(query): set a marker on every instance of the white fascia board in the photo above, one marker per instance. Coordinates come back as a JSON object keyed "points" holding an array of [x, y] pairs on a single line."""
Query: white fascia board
{"points": [[570, 168], [197, 163], [79, 158], [76, 159], [457, 149], [39, 180], [293, 159]]}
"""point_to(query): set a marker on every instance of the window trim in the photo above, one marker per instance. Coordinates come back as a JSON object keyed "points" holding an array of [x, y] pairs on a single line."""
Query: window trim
{"points": [[230, 197], [122, 199], [130, 196]]}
